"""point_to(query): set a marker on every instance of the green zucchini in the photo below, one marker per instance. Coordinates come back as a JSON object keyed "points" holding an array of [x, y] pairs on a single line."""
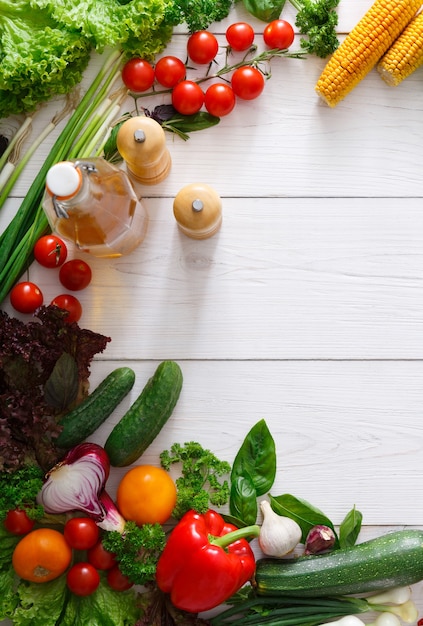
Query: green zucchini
{"points": [[392, 560], [144, 420], [82, 421]]}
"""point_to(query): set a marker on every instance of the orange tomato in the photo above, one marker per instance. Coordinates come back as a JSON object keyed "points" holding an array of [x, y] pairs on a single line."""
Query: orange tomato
{"points": [[42, 555], [146, 495]]}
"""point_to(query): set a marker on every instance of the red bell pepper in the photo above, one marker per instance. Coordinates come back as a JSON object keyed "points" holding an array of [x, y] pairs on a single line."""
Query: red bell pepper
{"points": [[205, 561]]}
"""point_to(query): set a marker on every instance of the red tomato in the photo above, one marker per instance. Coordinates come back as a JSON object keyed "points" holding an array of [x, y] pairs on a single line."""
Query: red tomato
{"points": [[117, 580], [100, 558], [50, 251], [18, 522], [82, 579], [187, 97], [219, 99], [138, 75], [26, 297], [81, 533], [75, 275], [202, 47], [71, 304], [240, 36], [278, 34], [247, 82], [169, 71]]}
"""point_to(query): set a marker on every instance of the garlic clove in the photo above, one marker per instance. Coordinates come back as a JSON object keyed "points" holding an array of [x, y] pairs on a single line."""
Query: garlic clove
{"points": [[279, 535], [319, 539]]}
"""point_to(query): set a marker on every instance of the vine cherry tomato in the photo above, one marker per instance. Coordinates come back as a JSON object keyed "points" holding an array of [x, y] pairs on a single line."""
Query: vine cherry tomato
{"points": [[100, 558], [117, 580], [138, 75], [219, 99], [202, 47], [170, 71], [70, 304], [187, 97], [278, 34], [26, 297], [50, 251], [81, 533], [82, 579], [247, 82], [17, 522], [240, 36], [75, 274]]}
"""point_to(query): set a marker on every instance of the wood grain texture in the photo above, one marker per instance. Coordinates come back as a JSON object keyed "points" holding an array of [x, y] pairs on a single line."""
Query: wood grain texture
{"points": [[305, 309]]}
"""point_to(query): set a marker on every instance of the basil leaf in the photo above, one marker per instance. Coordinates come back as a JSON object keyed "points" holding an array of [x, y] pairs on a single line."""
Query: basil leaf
{"points": [[257, 458], [265, 10], [61, 388], [184, 124], [350, 528], [243, 500], [302, 512]]}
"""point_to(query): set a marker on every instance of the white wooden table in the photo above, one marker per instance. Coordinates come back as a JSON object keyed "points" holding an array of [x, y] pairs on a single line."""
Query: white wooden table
{"points": [[305, 309]]}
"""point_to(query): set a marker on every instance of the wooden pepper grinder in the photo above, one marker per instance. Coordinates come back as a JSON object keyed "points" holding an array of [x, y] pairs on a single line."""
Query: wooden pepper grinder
{"points": [[141, 143], [198, 210]]}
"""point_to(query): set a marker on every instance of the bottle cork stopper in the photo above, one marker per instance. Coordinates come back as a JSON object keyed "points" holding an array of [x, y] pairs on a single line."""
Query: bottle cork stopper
{"points": [[63, 180]]}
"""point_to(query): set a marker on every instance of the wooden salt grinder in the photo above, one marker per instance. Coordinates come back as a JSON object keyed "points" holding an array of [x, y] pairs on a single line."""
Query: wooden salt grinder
{"points": [[141, 143], [198, 210]]}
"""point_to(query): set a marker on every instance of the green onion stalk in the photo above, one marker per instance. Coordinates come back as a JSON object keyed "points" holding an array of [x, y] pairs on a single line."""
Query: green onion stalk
{"points": [[252, 610], [84, 127]]}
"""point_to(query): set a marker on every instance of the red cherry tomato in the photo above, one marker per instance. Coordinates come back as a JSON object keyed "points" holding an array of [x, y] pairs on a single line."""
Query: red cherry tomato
{"points": [[240, 36], [75, 274], [26, 297], [187, 97], [202, 47], [170, 71], [18, 522], [138, 75], [71, 304], [100, 558], [81, 533], [219, 99], [278, 34], [83, 579], [117, 580], [50, 251], [247, 82]]}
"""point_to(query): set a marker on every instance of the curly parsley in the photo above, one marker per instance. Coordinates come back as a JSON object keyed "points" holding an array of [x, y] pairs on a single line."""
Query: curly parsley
{"points": [[200, 483], [137, 550]]}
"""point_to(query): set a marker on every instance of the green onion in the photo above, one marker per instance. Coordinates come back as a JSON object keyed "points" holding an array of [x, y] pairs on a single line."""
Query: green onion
{"points": [[18, 239], [286, 611]]}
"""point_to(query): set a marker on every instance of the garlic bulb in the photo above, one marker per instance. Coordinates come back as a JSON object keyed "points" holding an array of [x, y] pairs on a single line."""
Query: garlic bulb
{"points": [[279, 535]]}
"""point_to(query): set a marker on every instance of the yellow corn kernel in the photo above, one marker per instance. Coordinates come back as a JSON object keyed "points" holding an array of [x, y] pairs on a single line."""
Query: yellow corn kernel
{"points": [[405, 55], [350, 63]]}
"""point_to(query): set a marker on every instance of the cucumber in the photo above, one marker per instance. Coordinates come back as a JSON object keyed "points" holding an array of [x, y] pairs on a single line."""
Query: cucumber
{"points": [[82, 421], [144, 420], [392, 560]]}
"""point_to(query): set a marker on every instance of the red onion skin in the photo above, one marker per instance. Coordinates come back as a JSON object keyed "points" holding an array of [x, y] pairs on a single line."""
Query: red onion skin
{"points": [[319, 539], [65, 491]]}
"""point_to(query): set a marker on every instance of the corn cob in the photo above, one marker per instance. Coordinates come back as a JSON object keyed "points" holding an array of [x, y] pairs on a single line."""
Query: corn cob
{"points": [[405, 55], [364, 47]]}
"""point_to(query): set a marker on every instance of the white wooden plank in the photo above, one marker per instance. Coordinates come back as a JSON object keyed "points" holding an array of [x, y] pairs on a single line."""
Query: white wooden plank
{"points": [[346, 433], [284, 278]]}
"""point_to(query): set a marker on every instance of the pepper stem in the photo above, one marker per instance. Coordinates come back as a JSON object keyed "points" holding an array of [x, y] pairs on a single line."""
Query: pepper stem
{"points": [[234, 535]]}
